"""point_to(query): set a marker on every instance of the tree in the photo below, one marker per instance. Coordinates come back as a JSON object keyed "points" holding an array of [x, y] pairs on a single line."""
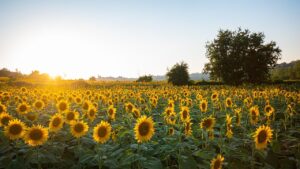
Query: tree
{"points": [[93, 78], [178, 75], [145, 78], [241, 56]]}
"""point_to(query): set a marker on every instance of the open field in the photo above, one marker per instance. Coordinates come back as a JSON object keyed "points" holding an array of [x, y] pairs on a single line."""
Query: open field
{"points": [[133, 125]]}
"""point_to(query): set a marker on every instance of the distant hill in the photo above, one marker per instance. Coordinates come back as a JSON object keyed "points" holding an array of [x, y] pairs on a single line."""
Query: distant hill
{"points": [[193, 76]]}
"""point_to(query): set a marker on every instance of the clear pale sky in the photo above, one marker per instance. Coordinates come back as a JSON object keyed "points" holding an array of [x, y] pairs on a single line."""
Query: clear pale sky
{"points": [[78, 39]]}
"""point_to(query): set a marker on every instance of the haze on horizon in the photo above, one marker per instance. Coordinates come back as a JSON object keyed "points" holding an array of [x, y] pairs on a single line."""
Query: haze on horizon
{"points": [[79, 39]]}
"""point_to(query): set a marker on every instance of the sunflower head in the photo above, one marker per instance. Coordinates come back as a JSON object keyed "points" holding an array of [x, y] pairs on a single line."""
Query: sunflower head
{"points": [[208, 123], [102, 132], [129, 107], [4, 119], [217, 162], [2, 108], [62, 106], [39, 104], [185, 114], [15, 129], [91, 113], [188, 128], [136, 112], [111, 112], [262, 136], [203, 105], [23, 108], [144, 129], [36, 135], [78, 128], [56, 122], [228, 102], [71, 116]]}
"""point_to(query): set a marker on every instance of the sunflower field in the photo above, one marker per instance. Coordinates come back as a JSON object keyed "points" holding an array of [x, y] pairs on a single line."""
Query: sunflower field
{"points": [[150, 126]]}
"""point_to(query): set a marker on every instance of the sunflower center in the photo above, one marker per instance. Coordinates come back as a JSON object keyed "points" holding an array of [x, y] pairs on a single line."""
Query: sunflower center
{"points": [[36, 134], [207, 123], [228, 102], [217, 164], [203, 105], [102, 131], [23, 108], [70, 116], [184, 114], [78, 128], [1, 109], [144, 128], [130, 107], [56, 122], [262, 136], [15, 129], [38, 104], [85, 106], [92, 112], [62, 106], [5, 120], [111, 111]]}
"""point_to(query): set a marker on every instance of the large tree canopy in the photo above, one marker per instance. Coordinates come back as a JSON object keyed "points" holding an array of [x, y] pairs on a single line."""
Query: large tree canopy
{"points": [[241, 56], [178, 74]]}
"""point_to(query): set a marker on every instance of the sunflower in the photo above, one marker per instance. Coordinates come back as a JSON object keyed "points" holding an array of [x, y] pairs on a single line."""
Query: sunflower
{"points": [[23, 108], [185, 114], [228, 102], [39, 105], [111, 111], [32, 116], [71, 116], [79, 128], [2, 108], [268, 110], [215, 96], [262, 136], [15, 129], [171, 119], [171, 131], [144, 129], [237, 113], [92, 112], [170, 103], [254, 113], [216, 163], [4, 119], [78, 100], [203, 105], [36, 135], [229, 132], [168, 111], [208, 123], [129, 107], [102, 132], [136, 112], [62, 106], [188, 128], [56, 122]]}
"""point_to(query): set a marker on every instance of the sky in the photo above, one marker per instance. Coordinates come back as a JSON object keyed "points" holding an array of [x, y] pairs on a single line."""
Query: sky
{"points": [[79, 39]]}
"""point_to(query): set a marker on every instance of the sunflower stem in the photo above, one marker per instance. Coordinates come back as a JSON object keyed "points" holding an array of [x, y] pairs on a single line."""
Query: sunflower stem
{"points": [[99, 156]]}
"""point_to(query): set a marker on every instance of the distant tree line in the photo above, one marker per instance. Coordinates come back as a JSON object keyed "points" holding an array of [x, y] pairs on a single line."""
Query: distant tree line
{"points": [[145, 78], [286, 71]]}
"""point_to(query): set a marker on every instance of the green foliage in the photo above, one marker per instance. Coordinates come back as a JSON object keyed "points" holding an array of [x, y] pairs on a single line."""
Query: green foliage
{"points": [[241, 56], [145, 78], [178, 75], [284, 71]]}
